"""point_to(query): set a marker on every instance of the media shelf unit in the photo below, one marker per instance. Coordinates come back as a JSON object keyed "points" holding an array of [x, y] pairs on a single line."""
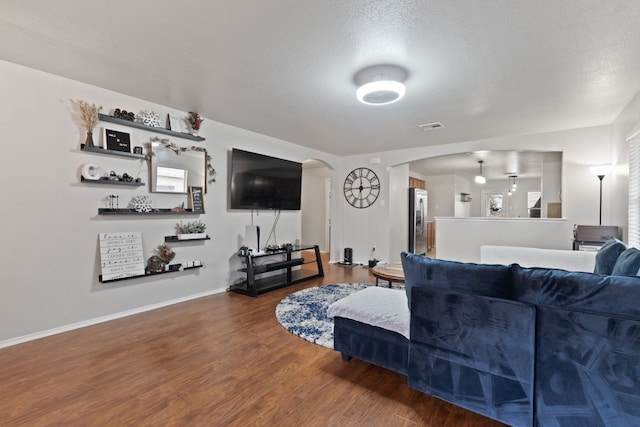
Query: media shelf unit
{"points": [[253, 286]]}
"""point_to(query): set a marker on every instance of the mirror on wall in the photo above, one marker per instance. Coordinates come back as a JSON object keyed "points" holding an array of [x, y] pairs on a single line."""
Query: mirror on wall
{"points": [[517, 184], [175, 169]]}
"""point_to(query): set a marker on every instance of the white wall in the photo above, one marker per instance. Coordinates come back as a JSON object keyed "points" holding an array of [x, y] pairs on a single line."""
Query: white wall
{"points": [[50, 225], [459, 239], [462, 185], [314, 203], [551, 185], [363, 229], [398, 214], [441, 196]]}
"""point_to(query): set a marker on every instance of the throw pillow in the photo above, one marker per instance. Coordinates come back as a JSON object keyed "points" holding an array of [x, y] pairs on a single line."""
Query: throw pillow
{"points": [[608, 255], [628, 263], [491, 280]]}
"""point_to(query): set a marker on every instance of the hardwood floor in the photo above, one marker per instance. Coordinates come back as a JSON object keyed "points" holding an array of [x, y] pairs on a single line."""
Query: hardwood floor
{"points": [[222, 360]]}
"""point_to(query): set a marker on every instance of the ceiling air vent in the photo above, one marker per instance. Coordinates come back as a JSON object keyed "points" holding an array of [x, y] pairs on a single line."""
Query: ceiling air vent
{"points": [[431, 126]]}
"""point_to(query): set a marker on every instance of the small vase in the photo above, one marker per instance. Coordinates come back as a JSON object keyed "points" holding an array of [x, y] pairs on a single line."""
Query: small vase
{"points": [[194, 132], [89, 141]]}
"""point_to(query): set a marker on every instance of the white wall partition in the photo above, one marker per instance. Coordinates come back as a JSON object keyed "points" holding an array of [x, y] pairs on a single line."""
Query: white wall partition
{"points": [[459, 239]]}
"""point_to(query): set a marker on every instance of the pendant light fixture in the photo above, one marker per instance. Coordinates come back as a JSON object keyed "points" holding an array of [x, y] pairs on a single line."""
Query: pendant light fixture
{"points": [[380, 84], [512, 184], [480, 179]]}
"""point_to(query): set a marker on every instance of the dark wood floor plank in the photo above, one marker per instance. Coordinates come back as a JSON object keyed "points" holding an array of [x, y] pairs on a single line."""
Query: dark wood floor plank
{"points": [[218, 360]]}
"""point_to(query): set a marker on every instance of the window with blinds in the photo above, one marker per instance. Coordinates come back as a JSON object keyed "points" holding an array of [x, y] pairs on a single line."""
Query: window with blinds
{"points": [[634, 191]]}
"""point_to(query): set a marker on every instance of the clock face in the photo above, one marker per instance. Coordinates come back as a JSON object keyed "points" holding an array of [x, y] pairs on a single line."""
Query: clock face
{"points": [[361, 187]]}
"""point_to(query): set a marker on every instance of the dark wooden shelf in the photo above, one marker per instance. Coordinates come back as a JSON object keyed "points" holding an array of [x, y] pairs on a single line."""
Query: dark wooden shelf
{"points": [[137, 125], [174, 239], [110, 182], [146, 275], [271, 283], [99, 150], [107, 211]]}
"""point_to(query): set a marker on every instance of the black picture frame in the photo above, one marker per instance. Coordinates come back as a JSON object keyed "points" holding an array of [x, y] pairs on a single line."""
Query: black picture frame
{"points": [[116, 140], [196, 198], [137, 150]]}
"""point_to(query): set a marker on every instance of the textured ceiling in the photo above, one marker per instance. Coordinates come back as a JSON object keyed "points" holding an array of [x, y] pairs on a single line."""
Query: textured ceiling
{"points": [[285, 68]]}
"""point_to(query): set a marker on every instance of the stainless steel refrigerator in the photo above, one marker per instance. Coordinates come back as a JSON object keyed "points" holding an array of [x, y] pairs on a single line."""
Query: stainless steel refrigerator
{"points": [[418, 221]]}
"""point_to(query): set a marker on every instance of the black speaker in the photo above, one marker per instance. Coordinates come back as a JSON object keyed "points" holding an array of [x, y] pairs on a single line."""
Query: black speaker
{"points": [[348, 256]]}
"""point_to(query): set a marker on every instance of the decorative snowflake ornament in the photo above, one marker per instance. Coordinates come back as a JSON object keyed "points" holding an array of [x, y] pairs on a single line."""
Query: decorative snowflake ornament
{"points": [[150, 118], [140, 204]]}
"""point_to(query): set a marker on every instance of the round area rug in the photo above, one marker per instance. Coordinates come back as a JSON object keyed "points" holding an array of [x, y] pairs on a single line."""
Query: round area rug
{"points": [[304, 313]]}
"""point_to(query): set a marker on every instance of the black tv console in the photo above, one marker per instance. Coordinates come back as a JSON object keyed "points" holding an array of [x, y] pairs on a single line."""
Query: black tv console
{"points": [[268, 262]]}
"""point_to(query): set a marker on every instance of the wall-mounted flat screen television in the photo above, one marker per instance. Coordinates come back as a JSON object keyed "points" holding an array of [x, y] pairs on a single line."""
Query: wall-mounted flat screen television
{"points": [[264, 182]]}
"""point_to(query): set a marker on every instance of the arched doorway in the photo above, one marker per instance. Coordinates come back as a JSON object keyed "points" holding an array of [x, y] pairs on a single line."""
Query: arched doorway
{"points": [[316, 204]]}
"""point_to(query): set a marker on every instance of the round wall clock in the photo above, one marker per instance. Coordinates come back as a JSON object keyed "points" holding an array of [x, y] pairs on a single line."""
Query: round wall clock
{"points": [[361, 188]]}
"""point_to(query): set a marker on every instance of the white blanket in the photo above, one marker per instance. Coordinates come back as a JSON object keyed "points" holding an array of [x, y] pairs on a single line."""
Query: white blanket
{"points": [[382, 307]]}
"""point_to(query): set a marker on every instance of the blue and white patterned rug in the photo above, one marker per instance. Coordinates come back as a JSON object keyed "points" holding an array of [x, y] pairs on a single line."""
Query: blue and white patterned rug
{"points": [[304, 313]]}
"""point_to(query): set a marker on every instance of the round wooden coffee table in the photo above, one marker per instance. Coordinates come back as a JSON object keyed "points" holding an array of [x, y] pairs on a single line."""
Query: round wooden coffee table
{"points": [[392, 273]]}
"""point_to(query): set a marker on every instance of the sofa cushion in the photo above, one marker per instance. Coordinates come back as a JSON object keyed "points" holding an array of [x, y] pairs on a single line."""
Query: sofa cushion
{"points": [[628, 263], [608, 255], [491, 280], [617, 295]]}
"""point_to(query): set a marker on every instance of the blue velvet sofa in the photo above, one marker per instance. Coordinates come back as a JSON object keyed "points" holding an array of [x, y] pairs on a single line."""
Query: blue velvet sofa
{"points": [[524, 346]]}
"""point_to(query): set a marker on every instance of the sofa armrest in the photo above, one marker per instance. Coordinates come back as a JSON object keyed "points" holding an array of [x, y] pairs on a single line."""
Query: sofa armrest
{"points": [[474, 351]]}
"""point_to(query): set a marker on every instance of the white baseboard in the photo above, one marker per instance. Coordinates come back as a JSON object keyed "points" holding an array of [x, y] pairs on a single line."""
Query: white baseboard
{"points": [[96, 320]]}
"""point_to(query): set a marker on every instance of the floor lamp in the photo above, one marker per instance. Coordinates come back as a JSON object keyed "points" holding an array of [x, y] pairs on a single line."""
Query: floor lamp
{"points": [[600, 172]]}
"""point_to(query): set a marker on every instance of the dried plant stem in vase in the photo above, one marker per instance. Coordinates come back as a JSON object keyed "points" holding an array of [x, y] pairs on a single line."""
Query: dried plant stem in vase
{"points": [[89, 117]]}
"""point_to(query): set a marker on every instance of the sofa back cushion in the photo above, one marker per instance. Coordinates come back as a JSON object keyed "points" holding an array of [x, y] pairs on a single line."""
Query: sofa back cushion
{"points": [[617, 295], [484, 279], [628, 263], [608, 255]]}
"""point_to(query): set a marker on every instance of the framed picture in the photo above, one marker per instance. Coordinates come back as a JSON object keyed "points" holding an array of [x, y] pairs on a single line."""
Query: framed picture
{"points": [[116, 140], [197, 202], [137, 150], [175, 124]]}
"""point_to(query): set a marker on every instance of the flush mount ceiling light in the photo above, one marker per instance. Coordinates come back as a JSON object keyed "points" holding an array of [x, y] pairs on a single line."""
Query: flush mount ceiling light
{"points": [[480, 179], [380, 84]]}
